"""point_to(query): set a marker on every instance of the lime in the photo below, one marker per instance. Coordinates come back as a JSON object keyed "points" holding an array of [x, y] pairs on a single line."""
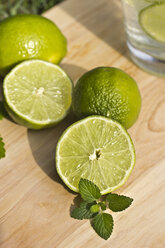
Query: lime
{"points": [[152, 20], [109, 92], [25, 37], [98, 149], [129, 2], [37, 94]]}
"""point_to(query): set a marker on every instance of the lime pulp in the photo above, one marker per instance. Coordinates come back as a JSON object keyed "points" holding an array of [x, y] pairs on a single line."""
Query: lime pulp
{"points": [[37, 94], [98, 149]]}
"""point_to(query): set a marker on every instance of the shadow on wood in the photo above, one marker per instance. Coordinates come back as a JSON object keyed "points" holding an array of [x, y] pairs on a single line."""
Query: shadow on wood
{"points": [[74, 72], [103, 18], [76, 203], [45, 154]]}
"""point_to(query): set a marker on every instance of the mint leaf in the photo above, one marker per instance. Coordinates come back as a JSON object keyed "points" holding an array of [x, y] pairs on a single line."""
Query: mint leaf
{"points": [[118, 203], [83, 212], [88, 190], [2, 148], [3, 112], [103, 225], [102, 205], [95, 208]]}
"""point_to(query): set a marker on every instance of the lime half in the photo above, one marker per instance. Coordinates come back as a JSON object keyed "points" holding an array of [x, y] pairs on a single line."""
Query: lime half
{"points": [[152, 20], [37, 94], [98, 149]]}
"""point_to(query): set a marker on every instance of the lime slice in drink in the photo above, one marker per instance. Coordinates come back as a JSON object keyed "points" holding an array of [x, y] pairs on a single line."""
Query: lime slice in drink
{"points": [[98, 149], [37, 94], [129, 2], [152, 20]]}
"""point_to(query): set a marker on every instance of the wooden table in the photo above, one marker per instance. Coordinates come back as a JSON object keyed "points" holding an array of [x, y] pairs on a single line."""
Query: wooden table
{"points": [[34, 203]]}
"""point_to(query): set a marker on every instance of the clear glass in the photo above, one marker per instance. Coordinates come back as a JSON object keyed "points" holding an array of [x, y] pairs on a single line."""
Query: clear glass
{"points": [[145, 51]]}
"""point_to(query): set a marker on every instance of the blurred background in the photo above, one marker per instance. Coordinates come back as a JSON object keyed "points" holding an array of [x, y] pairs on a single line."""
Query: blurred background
{"points": [[13, 7]]}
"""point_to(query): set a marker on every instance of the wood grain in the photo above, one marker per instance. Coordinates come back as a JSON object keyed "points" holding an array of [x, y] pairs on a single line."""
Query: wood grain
{"points": [[34, 203]]}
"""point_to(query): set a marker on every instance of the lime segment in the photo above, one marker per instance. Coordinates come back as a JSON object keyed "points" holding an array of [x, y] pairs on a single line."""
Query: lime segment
{"points": [[98, 149], [152, 20], [37, 94]]}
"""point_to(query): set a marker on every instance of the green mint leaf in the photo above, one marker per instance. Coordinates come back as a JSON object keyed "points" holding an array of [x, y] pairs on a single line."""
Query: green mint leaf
{"points": [[2, 149], [103, 225], [3, 112], [118, 203], [95, 208], [88, 190], [102, 205], [83, 212]]}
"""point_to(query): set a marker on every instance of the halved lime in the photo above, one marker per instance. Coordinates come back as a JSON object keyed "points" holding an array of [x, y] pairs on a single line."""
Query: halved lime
{"points": [[152, 20], [98, 149], [37, 94]]}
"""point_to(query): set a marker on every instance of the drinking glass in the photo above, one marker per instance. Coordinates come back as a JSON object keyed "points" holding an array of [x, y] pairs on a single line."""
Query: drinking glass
{"points": [[145, 39]]}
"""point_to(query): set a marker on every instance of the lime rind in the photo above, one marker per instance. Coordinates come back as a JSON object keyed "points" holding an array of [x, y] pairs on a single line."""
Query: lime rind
{"points": [[109, 92], [123, 131], [29, 36], [24, 119], [152, 22]]}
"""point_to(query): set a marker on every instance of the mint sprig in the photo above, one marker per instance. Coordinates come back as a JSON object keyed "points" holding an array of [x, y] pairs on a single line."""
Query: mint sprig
{"points": [[103, 225], [93, 207], [118, 203], [2, 148], [88, 190], [83, 212]]}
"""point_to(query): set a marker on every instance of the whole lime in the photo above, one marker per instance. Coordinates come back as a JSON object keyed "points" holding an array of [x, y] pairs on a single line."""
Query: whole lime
{"points": [[109, 92], [28, 36]]}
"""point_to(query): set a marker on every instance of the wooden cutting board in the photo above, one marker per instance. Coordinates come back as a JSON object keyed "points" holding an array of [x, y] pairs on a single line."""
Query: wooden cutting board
{"points": [[34, 203]]}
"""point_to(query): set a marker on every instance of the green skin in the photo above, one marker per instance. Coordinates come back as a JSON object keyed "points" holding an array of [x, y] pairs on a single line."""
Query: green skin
{"points": [[109, 92], [24, 37]]}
